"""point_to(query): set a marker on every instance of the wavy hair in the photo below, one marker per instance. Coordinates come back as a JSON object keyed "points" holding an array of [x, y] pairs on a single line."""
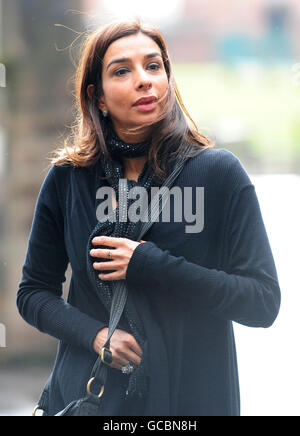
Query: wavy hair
{"points": [[174, 128]]}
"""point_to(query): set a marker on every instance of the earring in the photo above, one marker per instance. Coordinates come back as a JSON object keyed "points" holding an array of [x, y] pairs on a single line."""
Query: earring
{"points": [[105, 112]]}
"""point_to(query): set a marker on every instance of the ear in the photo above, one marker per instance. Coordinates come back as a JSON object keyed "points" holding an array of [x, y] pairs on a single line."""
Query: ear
{"points": [[101, 101], [90, 91]]}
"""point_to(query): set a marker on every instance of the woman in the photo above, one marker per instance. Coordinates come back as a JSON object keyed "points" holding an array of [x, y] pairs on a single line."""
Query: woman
{"points": [[173, 351]]}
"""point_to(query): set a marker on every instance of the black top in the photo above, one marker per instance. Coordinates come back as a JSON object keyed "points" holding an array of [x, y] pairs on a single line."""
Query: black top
{"points": [[195, 285]]}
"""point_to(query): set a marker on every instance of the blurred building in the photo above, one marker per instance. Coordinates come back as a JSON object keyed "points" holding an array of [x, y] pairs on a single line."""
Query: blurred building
{"points": [[35, 108], [229, 30]]}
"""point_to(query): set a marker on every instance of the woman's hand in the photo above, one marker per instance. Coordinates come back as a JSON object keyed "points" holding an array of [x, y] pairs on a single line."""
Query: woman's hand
{"points": [[119, 251], [123, 346]]}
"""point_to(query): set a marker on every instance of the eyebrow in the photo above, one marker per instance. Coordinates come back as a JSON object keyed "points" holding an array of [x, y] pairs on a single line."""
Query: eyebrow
{"points": [[117, 61]]}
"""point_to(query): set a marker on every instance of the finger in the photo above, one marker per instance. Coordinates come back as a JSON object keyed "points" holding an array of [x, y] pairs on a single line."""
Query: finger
{"points": [[117, 275], [116, 365], [107, 240], [141, 241], [122, 358], [132, 357], [100, 252], [137, 349], [119, 360], [103, 266], [134, 346]]}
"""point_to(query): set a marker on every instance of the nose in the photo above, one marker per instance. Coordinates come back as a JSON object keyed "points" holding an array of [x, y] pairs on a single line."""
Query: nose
{"points": [[143, 81], [146, 85]]}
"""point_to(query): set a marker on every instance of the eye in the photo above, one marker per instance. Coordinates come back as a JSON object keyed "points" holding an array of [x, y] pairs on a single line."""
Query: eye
{"points": [[122, 71], [155, 65], [119, 71]]}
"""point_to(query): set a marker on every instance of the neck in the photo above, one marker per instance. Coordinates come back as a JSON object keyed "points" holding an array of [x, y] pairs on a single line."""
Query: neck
{"points": [[133, 138], [133, 166]]}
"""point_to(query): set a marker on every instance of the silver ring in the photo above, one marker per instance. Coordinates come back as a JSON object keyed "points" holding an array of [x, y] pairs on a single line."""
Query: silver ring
{"points": [[128, 369]]}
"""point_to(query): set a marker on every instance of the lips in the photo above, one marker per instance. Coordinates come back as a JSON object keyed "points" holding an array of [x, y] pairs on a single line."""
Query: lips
{"points": [[145, 100]]}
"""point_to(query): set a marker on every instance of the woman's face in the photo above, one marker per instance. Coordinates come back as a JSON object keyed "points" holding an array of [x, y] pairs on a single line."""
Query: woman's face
{"points": [[141, 74]]}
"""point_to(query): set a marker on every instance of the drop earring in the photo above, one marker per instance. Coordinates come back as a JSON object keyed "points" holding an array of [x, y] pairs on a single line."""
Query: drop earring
{"points": [[105, 112]]}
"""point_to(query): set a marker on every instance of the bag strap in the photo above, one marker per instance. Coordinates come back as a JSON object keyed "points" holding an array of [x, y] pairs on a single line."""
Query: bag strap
{"points": [[100, 369]]}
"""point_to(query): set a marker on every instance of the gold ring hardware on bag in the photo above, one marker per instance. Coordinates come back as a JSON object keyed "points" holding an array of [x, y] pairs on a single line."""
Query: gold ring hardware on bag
{"points": [[35, 410], [103, 349], [88, 387]]}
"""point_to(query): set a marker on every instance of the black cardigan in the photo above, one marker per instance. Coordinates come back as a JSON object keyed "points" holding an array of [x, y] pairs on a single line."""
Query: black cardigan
{"points": [[193, 285]]}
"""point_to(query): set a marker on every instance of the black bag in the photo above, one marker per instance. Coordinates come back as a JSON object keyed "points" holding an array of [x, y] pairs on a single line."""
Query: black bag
{"points": [[91, 404]]}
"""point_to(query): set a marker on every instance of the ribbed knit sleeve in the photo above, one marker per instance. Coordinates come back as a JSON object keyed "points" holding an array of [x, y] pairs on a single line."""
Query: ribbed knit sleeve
{"points": [[246, 290], [39, 297]]}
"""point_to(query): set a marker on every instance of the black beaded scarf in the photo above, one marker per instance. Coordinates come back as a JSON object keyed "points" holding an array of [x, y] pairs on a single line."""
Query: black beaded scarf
{"points": [[130, 321]]}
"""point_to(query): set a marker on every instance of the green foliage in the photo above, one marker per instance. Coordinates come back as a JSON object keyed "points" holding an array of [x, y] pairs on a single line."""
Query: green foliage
{"points": [[264, 101]]}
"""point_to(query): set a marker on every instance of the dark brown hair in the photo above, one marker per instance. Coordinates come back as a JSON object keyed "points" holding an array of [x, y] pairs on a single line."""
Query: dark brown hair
{"points": [[173, 129]]}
